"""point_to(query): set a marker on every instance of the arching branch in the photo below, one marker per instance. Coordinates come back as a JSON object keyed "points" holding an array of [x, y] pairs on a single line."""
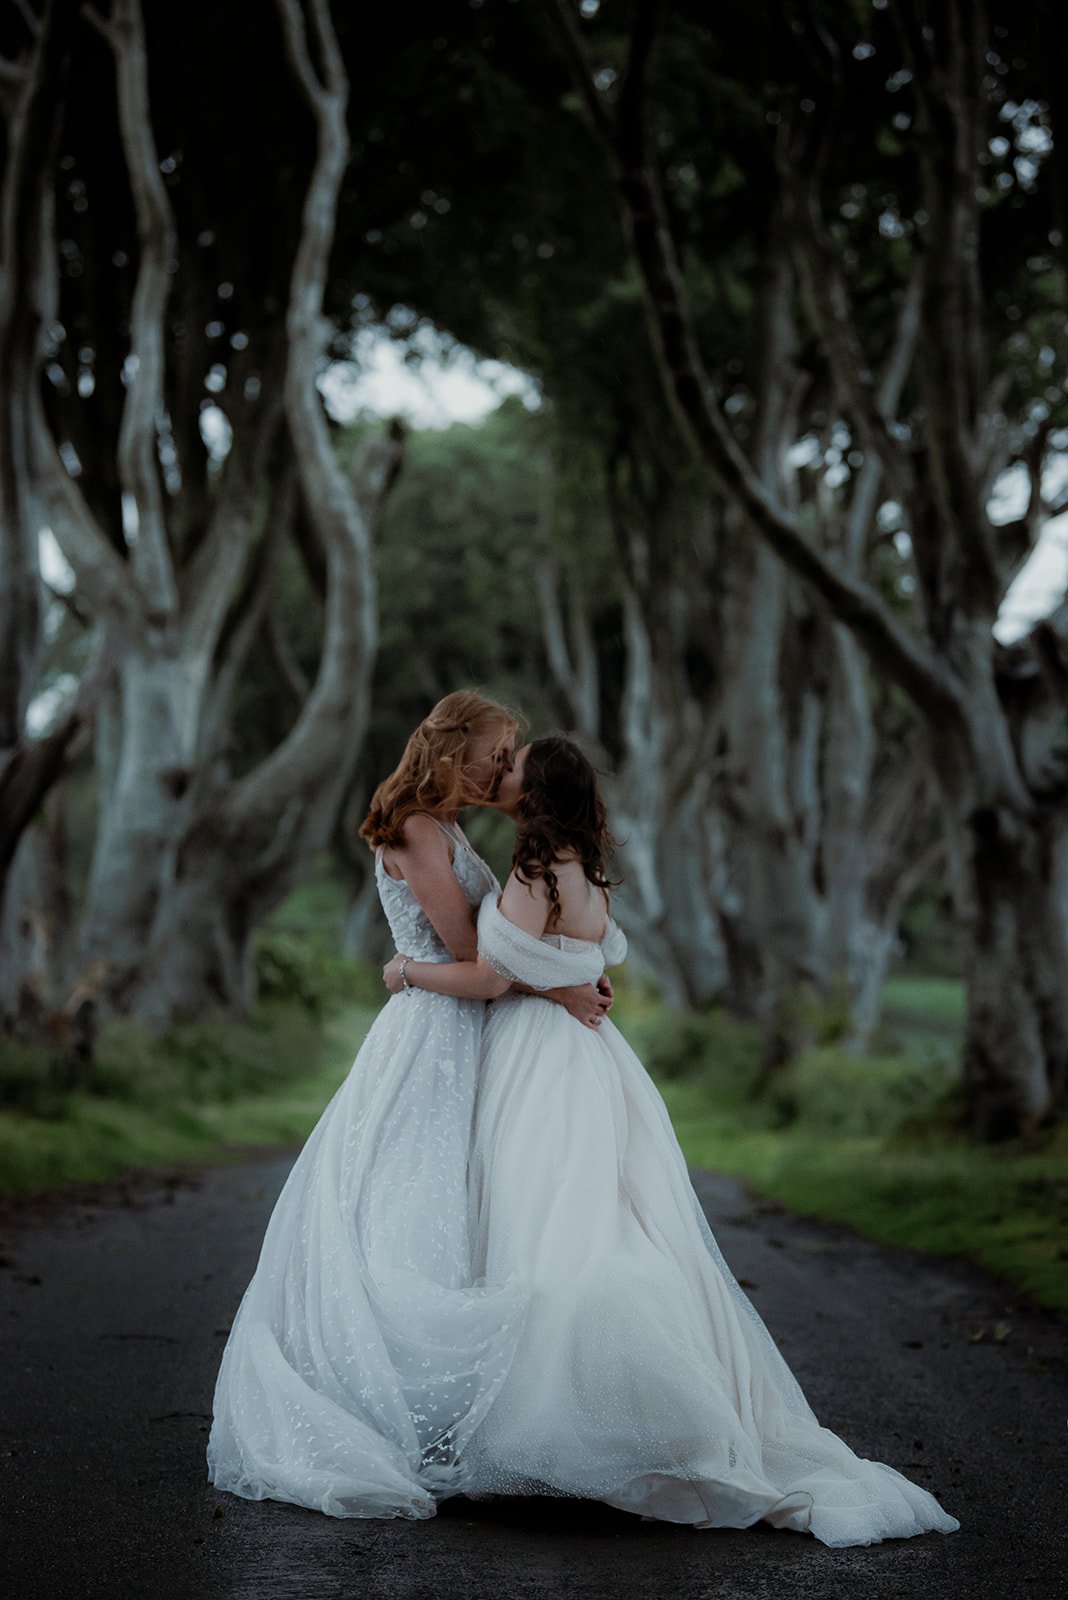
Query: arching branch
{"points": [[691, 397]]}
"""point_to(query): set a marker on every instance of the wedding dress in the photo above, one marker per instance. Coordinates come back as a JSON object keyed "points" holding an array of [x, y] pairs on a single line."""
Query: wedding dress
{"points": [[488, 1272], [644, 1376], [362, 1357]]}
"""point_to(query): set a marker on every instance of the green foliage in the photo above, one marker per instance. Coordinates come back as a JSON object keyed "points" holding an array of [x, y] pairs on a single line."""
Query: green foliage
{"points": [[824, 1020], [831, 1092], [931, 947], [291, 966], [710, 1049], [32, 1078], [298, 955], [190, 1096], [286, 969], [827, 1089], [869, 1141]]}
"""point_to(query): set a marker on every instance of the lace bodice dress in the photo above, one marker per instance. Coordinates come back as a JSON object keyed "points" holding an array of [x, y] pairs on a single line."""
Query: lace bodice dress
{"points": [[411, 928], [363, 1354]]}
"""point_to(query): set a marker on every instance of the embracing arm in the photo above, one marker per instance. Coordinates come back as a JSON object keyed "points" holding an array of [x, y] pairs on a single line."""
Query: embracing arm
{"points": [[475, 980], [464, 980], [527, 907]]}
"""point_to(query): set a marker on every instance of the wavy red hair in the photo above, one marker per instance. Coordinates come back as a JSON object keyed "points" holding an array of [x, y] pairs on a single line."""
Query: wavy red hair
{"points": [[434, 773]]}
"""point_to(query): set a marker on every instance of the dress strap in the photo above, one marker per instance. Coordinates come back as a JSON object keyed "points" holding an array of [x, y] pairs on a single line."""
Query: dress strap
{"points": [[455, 836], [450, 830]]}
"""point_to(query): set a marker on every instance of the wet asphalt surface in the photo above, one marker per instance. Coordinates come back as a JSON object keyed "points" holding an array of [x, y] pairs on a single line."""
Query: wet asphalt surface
{"points": [[115, 1304]]}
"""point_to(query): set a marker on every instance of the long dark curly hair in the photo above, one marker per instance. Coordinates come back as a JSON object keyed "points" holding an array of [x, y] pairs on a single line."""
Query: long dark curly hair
{"points": [[560, 813]]}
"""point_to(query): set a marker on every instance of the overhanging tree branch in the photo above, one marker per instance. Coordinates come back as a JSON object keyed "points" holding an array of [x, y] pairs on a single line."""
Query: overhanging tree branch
{"points": [[689, 390], [947, 68], [139, 473]]}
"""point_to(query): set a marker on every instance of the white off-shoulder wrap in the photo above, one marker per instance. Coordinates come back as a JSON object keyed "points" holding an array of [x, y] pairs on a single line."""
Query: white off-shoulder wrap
{"points": [[552, 962]]}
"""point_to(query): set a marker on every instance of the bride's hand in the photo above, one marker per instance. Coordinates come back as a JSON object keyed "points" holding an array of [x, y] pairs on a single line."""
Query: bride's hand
{"points": [[391, 975], [604, 987], [586, 1003]]}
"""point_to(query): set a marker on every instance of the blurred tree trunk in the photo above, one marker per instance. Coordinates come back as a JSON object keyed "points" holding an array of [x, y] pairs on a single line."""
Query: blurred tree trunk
{"points": [[759, 869], [162, 625], [824, 875], [32, 89], [1011, 827], [186, 861], [251, 840], [770, 775], [654, 747]]}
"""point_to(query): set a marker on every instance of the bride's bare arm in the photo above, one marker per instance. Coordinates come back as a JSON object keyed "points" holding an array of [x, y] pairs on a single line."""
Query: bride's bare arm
{"points": [[527, 907], [474, 980], [463, 980], [423, 861]]}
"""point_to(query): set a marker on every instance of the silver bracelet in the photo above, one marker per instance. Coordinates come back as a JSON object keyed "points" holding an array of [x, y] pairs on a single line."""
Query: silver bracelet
{"points": [[408, 987]]}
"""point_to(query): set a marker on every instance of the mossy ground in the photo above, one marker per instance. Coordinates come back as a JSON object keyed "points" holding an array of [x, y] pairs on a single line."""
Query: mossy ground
{"points": [[869, 1141], [189, 1098]]}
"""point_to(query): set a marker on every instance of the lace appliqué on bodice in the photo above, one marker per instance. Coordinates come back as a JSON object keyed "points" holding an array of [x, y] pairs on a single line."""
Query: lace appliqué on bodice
{"points": [[412, 930]]}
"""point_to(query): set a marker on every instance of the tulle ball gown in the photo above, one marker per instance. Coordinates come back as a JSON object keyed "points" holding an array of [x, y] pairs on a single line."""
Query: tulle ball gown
{"points": [[488, 1272], [362, 1356]]}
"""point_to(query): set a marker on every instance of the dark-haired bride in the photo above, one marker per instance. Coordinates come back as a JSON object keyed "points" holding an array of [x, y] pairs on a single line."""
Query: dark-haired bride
{"points": [[643, 1376]]}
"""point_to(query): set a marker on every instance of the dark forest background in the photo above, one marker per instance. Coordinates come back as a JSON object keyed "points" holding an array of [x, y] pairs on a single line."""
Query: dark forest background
{"points": [[787, 280]]}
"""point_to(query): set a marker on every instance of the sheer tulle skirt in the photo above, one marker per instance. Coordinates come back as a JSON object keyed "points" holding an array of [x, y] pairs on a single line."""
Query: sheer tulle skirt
{"points": [[518, 1293], [644, 1375], [362, 1356]]}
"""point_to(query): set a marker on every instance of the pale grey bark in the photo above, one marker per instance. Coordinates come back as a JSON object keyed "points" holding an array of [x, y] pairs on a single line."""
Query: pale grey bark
{"points": [[152, 745], [32, 88], [241, 854], [139, 476], [186, 859], [22, 202], [658, 787], [1016, 1055], [772, 723]]}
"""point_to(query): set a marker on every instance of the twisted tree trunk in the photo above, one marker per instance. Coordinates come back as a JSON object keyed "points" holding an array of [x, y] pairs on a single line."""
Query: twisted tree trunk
{"points": [[252, 840], [1016, 1061], [32, 89]]}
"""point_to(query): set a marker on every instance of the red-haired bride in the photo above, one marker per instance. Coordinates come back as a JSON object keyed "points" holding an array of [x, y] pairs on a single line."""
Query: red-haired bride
{"points": [[364, 1353]]}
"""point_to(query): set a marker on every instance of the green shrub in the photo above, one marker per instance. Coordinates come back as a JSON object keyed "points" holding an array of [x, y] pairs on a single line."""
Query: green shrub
{"points": [[709, 1047], [187, 1096], [302, 967], [839, 1094], [286, 969], [31, 1078]]}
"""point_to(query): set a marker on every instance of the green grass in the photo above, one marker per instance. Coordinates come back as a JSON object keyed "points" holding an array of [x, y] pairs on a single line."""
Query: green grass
{"points": [[207, 1086], [1005, 1209], [191, 1097], [869, 1142]]}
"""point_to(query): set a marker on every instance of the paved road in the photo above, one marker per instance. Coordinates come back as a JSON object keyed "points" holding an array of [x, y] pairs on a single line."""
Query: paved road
{"points": [[115, 1303]]}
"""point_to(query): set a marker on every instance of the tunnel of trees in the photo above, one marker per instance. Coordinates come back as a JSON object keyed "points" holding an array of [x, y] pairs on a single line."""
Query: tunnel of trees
{"points": [[787, 277]]}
